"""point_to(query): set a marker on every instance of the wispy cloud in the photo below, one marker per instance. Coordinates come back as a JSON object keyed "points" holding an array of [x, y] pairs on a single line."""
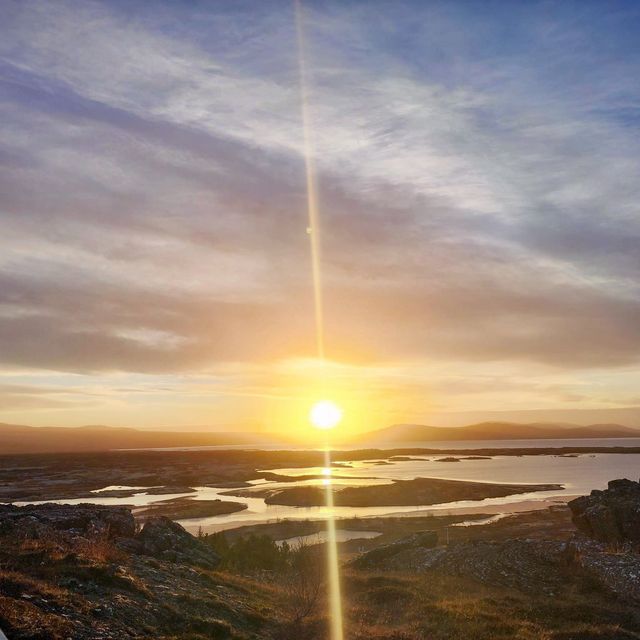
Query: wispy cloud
{"points": [[478, 174]]}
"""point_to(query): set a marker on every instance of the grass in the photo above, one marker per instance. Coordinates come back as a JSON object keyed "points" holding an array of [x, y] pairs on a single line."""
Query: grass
{"points": [[409, 607], [378, 606], [30, 621], [47, 585], [96, 549]]}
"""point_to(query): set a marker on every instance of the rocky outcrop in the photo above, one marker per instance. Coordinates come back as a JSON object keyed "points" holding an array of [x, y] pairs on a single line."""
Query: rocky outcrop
{"points": [[160, 537], [618, 573], [380, 555], [528, 565], [533, 566], [611, 516], [167, 540], [60, 580], [87, 520]]}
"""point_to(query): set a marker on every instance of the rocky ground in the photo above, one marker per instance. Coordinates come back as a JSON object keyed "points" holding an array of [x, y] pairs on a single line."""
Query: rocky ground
{"points": [[604, 551], [85, 572], [530, 566]]}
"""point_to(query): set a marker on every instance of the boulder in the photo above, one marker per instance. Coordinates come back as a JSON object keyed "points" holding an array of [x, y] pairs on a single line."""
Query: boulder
{"points": [[618, 573], [167, 540], [418, 540], [611, 516], [87, 520], [427, 539], [78, 524]]}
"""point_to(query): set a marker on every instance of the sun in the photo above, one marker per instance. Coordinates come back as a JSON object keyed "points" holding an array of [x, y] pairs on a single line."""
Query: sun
{"points": [[325, 414]]}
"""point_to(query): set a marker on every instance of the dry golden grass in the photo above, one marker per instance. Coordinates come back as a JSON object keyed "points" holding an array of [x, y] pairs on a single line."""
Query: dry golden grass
{"points": [[31, 620], [99, 549], [377, 605], [409, 607]]}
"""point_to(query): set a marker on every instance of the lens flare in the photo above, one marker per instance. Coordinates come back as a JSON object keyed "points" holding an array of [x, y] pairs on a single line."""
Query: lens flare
{"points": [[333, 566], [309, 151], [325, 414]]}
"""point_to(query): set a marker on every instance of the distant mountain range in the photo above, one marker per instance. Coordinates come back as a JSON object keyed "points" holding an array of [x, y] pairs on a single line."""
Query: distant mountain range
{"points": [[404, 433], [25, 439]]}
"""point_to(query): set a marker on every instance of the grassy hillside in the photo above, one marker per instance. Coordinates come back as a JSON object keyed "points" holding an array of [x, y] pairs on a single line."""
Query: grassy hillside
{"points": [[64, 587]]}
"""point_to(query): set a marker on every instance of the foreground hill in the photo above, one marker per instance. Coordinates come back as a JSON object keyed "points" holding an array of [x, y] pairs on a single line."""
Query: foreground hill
{"points": [[497, 431], [86, 572], [89, 573]]}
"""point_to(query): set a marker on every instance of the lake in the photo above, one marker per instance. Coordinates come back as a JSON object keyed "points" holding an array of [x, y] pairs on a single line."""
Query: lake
{"points": [[577, 474]]}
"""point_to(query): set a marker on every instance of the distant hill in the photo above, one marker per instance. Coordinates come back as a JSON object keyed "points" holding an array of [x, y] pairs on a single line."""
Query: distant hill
{"points": [[24, 439], [496, 431]]}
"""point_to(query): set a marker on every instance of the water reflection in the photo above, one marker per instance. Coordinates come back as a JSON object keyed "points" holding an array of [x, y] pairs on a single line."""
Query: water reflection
{"points": [[579, 475]]}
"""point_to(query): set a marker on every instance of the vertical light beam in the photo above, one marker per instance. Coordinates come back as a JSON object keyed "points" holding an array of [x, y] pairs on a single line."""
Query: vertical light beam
{"points": [[335, 596], [312, 191], [333, 569]]}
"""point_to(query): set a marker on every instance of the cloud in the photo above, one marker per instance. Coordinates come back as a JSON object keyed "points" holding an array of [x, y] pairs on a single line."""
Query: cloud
{"points": [[482, 207], [15, 397]]}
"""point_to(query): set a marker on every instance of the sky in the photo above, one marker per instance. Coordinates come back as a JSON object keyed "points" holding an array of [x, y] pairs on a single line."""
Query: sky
{"points": [[478, 173]]}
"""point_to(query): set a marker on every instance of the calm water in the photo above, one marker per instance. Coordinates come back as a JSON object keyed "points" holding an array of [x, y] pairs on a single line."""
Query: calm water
{"points": [[578, 475], [342, 535]]}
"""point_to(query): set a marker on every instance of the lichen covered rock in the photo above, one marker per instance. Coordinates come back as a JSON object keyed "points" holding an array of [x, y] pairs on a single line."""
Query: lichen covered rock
{"points": [[165, 539], [611, 516], [83, 519]]}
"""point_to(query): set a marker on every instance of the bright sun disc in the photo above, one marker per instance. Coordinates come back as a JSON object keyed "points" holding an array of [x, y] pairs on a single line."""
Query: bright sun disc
{"points": [[325, 414]]}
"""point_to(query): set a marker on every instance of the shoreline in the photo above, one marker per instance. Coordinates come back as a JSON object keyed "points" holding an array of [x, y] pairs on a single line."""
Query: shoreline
{"points": [[342, 454], [432, 511], [185, 480]]}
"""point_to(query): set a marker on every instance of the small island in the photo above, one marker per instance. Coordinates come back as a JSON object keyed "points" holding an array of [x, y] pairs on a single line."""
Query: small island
{"points": [[185, 507], [419, 492]]}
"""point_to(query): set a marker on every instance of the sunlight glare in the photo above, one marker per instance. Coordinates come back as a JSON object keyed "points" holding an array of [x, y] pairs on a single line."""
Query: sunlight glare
{"points": [[325, 414]]}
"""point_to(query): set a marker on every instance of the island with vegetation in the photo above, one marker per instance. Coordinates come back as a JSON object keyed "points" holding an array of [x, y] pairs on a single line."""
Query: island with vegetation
{"points": [[419, 491]]}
